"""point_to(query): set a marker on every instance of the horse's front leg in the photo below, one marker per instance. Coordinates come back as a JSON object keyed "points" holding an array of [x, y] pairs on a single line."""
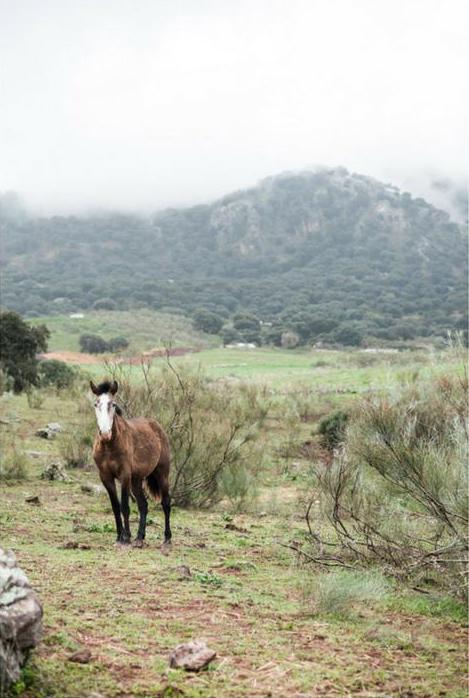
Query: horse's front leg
{"points": [[125, 490], [110, 485]]}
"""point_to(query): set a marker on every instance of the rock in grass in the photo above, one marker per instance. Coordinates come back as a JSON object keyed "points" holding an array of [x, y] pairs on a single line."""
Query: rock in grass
{"points": [[50, 431], [32, 499], [91, 488], [55, 471], [191, 656], [183, 572], [80, 657], [20, 620]]}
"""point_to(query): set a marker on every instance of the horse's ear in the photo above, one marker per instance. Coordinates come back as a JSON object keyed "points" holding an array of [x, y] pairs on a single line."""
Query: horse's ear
{"points": [[94, 389], [114, 387]]}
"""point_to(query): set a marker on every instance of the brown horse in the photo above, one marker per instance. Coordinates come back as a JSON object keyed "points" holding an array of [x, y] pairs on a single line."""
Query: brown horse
{"points": [[133, 451]]}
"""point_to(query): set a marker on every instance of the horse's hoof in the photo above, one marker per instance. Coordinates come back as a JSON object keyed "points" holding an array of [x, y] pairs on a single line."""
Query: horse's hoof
{"points": [[122, 543], [138, 543]]}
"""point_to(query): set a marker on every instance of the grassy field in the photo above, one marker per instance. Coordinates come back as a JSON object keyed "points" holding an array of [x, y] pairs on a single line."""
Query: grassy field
{"points": [[247, 595], [144, 330], [336, 373]]}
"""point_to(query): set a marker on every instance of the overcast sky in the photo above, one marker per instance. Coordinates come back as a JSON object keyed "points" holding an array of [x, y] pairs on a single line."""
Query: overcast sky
{"points": [[139, 104]]}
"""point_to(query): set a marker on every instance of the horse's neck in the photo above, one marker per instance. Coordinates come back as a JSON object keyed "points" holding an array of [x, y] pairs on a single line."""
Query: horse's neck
{"points": [[118, 428]]}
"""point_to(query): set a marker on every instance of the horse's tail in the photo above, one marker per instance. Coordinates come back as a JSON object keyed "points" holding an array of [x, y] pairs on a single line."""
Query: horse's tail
{"points": [[153, 486]]}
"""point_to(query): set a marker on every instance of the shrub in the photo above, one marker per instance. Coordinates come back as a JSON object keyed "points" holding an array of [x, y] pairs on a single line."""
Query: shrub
{"points": [[92, 344], [246, 321], [104, 304], [397, 492], [289, 340], [212, 428], [118, 343], [230, 336], [13, 462], [19, 344], [75, 445], [207, 321], [332, 429], [35, 398], [56, 373]]}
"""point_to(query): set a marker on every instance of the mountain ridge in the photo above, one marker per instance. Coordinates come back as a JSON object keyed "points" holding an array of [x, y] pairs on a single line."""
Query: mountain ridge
{"points": [[311, 252]]}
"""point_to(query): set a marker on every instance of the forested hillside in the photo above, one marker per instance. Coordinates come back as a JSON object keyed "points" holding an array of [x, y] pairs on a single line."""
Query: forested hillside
{"points": [[320, 255]]}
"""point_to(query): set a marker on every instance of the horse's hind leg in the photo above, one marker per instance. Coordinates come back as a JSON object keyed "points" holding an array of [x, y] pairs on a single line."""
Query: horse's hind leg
{"points": [[161, 473], [142, 504]]}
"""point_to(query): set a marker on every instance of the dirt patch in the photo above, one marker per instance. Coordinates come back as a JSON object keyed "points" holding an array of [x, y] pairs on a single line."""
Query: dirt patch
{"points": [[71, 357]]}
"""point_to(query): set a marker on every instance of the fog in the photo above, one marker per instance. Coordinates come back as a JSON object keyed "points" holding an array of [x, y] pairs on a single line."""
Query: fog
{"points": [[140, 104]]}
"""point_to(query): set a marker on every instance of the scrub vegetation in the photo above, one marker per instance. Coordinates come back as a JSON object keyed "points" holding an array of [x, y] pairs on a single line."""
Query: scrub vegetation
{"points": [[268, 432]]}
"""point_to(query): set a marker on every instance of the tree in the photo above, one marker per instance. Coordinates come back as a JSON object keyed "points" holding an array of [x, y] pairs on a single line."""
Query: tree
{"points": [[246, 321], [207, 321], [230, 336], [56, 373], [19, 344], [105, 304], [118, 343], [92, 344]]}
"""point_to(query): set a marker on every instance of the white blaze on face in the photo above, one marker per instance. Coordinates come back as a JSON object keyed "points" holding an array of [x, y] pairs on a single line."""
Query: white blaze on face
{"points": [[104, 408]]}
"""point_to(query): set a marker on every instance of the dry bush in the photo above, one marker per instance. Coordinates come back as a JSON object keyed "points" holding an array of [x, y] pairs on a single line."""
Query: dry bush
{"points": [[213, 430], [397, 491]]}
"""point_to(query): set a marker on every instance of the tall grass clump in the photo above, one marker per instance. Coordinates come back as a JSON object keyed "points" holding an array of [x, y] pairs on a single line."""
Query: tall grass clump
{"points": [[213, 430], [396, 493], [13, 462], [337, 593]]}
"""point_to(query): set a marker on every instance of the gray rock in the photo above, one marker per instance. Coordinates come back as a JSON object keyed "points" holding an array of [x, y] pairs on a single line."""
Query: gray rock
{"points": [[44, 433], [20, 620], [183, 572], [55, 471], [191, 656], [81, 657], [91, 488], [50, 431], [33, 499]]}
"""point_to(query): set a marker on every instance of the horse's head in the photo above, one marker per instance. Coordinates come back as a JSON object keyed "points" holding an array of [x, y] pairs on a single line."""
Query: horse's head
{"points": [[105, 407]]}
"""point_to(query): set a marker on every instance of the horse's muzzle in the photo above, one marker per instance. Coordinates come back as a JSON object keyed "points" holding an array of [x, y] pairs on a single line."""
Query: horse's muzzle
{"points": [[106, 435]]}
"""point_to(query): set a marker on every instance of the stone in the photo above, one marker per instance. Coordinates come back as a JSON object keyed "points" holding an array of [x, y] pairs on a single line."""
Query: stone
{"points": [[56, 472], [32, 499], [20, 620], [73, 545], [91, 488], [50, 431], [191, 656], [183, 572], [80, 657]]}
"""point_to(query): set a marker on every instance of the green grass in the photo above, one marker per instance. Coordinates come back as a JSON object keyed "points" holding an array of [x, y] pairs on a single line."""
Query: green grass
{"points": [[145, 329], [245, 596]]}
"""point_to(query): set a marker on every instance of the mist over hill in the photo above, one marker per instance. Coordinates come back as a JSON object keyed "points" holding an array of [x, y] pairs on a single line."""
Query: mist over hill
{"points": [[324, 255]]}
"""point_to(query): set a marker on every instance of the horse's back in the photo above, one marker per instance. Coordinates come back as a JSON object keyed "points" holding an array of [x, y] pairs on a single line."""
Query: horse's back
{"points": [[148, 432]]}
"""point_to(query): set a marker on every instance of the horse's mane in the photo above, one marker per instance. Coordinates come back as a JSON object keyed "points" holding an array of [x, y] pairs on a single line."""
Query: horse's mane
{"points": [[105, 387]]}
